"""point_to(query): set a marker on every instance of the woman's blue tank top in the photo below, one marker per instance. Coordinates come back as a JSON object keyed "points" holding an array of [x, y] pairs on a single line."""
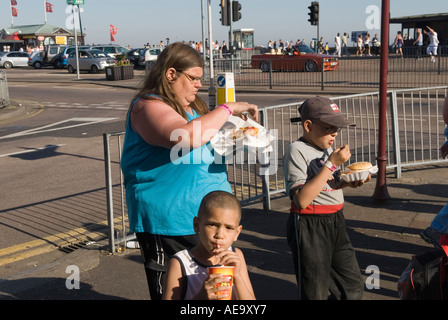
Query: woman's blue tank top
{"points": [[162, 195]]}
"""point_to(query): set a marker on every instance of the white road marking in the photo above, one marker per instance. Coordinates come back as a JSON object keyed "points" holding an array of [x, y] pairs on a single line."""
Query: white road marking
{"points": [[113, 105], [50, 127]]}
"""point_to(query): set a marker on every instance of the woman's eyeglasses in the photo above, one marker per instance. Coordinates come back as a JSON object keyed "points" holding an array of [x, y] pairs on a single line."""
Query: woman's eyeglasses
{"points": [[192, 79]]}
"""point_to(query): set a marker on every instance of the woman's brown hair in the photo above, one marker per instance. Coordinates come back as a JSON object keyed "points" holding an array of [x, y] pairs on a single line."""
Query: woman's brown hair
{"points": [[181, 57]]}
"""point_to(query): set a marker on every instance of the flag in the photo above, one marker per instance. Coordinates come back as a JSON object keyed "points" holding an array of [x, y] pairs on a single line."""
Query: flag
{"points": [[14, 12], [113, 32], [13, 2], [49, 7]]}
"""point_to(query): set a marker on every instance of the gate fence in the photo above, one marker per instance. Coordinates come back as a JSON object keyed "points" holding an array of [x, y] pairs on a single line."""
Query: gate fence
{"points": [[414, 135]]}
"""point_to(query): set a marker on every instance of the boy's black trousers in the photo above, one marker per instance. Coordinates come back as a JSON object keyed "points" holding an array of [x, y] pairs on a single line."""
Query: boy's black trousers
{"points": [[328, 267]]}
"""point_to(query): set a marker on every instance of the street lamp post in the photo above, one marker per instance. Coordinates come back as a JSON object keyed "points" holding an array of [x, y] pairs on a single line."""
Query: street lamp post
{"points": [[76, 43], [211, 89], [381, 192]]}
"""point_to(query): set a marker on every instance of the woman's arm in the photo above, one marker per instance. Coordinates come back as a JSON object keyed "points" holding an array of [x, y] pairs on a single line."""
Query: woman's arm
{"points": [[160, 125]]}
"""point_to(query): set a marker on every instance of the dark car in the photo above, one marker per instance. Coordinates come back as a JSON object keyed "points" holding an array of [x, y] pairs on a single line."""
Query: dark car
{"points": [[112, 50], [52, 55], [133, 55], [300, 58]]}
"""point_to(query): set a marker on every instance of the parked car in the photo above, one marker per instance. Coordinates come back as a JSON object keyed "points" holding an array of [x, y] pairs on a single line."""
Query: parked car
{"points": [[133, 56], [52, 55], [111, 49], [300, 58], [89, 60], [148, 55], [69, 49], [13, 59], [36, 59]]}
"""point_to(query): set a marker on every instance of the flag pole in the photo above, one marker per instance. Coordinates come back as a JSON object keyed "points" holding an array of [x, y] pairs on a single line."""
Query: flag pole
{"points": [[45, 10], [12, 19]]}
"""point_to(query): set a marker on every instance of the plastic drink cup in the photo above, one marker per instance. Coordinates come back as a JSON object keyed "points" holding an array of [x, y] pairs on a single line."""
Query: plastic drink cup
{"points": [[225, 272]]}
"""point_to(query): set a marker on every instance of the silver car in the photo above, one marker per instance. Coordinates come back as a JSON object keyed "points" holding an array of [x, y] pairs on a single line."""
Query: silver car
{"points": [[89, 60], [148, 55], [13, 59], [36, 59]]}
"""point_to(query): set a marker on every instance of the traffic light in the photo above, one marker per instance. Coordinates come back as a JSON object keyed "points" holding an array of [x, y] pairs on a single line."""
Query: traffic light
{"points": [[225, 15], [314, 13], [236, 8]]}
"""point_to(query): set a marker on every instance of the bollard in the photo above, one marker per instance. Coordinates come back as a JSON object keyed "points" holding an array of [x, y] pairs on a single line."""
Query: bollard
{"points": [[4, 92]]}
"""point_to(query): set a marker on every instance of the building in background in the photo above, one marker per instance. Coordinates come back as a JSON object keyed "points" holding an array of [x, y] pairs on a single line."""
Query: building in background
{"points": [[36, 36]]}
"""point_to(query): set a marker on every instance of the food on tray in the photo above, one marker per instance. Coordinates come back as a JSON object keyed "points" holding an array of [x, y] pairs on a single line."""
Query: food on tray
{"points": [[250, 131], [246, 131], [358, 166]]}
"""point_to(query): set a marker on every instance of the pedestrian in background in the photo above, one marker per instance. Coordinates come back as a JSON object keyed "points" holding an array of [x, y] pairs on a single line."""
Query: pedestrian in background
{"points": [[224, 50], [320, 45], [359, 46], [167, 163], [326, 49], [431, 50], [398, 44], [376, 45], [337, 43], [344, 45], [367, 45], [418, 43]]}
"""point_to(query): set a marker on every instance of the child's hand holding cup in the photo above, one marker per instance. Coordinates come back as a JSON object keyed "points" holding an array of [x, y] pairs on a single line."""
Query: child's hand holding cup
{"points": [[226, 272]]}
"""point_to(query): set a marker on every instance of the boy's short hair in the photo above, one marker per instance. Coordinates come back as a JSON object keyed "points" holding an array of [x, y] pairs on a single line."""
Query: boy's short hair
{"points": [[325, 110], [219, 199]]}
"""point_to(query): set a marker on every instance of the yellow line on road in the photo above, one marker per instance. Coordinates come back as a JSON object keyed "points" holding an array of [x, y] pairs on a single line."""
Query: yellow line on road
{"points": [[28, 115], [36, 247]]}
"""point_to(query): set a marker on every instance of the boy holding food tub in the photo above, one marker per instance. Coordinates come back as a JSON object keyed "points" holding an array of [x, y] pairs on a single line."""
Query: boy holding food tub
{"points": [[324, 259]]}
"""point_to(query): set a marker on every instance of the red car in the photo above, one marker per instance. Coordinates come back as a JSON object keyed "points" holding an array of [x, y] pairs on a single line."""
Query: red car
{"points": [[300, 58]]}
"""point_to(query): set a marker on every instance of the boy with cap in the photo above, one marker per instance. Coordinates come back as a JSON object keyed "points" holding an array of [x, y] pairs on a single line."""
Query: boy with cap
{"points": [[324, 258]]}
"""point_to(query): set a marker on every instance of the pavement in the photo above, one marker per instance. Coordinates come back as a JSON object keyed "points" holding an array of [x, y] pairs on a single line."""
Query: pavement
{"points": [[384, 233]]}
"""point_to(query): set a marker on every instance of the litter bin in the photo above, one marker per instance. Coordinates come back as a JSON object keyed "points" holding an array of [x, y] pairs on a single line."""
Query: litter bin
{"points": [[4, 92]]}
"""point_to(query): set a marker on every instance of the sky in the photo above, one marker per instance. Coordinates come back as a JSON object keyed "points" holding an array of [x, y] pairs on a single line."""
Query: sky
{"points": [[149, 21]]}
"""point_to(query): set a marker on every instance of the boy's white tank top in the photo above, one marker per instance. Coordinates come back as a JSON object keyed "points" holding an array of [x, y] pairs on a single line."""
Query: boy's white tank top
{"points": [[194, 273]]}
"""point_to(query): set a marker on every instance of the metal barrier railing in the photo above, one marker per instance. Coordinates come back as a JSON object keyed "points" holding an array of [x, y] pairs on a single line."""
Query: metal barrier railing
{"points": [[361, 72], [114, 185], [4, 91], [414, 133]]}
